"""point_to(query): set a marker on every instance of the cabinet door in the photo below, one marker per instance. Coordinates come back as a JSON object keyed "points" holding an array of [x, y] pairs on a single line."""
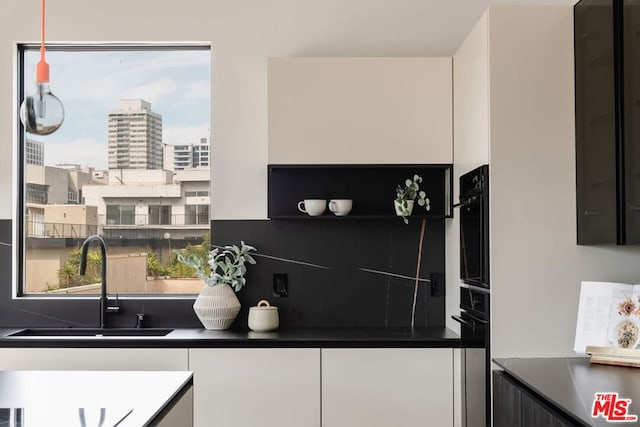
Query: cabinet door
{"points": [[595, 123], [387, 387], [256, 387], [94, 359], [360, 110], [536, 415], [515, 407], [179, 413], [506, 402]]}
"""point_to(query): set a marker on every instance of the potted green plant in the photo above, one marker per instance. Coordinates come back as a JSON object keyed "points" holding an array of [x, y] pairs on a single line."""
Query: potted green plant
{"points": [[406, 196], [217, 305]]}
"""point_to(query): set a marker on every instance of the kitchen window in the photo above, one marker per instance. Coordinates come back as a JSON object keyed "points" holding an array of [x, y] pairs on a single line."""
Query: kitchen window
{"points": [[111, 168]]}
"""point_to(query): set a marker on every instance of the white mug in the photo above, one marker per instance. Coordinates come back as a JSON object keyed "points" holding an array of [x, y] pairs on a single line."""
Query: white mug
{"points": [[313, 207], [340, 207]]}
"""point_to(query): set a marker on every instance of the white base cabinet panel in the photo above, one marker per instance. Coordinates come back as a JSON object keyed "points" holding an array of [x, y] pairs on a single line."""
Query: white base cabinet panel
{"points": [[94, 359], [180, 415], [387, 387], [268, 387]]}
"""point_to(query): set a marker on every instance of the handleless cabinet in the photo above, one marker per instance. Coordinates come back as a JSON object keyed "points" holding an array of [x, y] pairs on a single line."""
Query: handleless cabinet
{"points": [[514, 406], [267, 387], [387, 387], [607, 105], [94, 359], [360, 110]]}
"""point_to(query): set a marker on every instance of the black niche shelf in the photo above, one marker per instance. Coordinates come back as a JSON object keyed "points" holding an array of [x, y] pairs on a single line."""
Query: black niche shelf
{"points": [[371, 187]]}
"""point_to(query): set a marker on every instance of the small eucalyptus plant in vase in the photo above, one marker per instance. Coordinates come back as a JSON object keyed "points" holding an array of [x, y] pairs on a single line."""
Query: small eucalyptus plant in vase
{"points": [[406, 196], [217, 305]]}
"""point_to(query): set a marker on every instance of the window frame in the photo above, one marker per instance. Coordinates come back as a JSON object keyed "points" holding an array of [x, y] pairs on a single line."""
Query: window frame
{"points": [[18, 309]]}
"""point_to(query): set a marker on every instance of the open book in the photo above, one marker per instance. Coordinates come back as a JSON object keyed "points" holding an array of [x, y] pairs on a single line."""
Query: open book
{"points": [[608, 316]]}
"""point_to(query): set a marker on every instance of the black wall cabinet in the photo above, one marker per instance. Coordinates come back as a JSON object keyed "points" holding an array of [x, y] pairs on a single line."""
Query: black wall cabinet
{"points": [[371, 187], [607, 72]]}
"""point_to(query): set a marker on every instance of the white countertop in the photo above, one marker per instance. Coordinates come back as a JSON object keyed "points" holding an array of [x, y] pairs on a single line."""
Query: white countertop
{"points": [[63, 394]]}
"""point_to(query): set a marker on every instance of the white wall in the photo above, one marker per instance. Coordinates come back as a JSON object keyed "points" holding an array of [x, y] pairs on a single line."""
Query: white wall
{"points": [[471, 139], [536, 265], [243, 35], [514, 107]]}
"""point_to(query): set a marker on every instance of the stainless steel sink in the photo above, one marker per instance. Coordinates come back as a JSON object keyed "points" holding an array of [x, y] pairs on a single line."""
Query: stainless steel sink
{"points": [[90, 332]]}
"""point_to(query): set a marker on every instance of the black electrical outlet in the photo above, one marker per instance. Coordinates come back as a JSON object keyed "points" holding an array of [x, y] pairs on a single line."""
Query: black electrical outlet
{"points": [[280, 285], [437, 285]]}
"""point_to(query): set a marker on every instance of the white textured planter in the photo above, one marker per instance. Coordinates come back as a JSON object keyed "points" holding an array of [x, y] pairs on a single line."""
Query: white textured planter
{"points": [[404, 210], [217, 306]]}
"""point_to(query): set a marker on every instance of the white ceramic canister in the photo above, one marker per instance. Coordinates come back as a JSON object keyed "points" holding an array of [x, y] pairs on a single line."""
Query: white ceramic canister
{"points": [[263, 317]]}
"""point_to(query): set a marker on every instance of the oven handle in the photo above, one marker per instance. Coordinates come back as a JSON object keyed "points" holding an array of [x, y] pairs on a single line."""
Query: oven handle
{"points": [[466, 201], [468, 324]]}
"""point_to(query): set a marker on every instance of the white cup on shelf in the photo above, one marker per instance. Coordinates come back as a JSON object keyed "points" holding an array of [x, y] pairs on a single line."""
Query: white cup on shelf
{"points": [[340, 207], [312, 207]]}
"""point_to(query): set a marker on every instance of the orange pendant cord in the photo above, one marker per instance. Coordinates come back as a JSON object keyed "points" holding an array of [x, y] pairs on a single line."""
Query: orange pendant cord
{"points": [[42, 69]]}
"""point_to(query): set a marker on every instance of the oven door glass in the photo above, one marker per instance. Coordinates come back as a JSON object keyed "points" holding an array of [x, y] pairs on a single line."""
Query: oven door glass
{"points": [[471, 239]]}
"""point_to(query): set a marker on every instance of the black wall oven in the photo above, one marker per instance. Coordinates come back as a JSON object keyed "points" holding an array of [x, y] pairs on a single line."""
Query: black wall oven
{"points": [[475, 356], [475, 298], [474, 227]]}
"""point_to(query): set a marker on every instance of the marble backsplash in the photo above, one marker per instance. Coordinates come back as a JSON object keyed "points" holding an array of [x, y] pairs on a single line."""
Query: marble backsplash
{"points": [[341, 272]]}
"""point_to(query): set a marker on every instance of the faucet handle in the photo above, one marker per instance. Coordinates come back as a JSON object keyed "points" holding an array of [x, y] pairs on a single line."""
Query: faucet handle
{"points": [[113, 308]]}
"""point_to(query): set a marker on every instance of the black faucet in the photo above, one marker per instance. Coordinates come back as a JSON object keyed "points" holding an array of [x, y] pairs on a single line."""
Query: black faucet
{"points": [[104, 302]]}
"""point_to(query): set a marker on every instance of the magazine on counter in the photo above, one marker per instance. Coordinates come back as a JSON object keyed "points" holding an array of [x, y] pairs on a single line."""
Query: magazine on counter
{"points": [[608, 316]]}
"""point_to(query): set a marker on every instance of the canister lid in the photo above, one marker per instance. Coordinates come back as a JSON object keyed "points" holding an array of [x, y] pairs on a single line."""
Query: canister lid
{"points": [[263, 305]]}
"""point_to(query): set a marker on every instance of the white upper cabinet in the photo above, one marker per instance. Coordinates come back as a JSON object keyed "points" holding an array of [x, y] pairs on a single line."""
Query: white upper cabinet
{"points": [[360, 110]]}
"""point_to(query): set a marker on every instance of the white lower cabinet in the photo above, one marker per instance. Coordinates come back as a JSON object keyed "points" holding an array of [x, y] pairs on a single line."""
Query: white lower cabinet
{"points": [[266, 387], [284, 387], [180, 414], [387, 387], [94, 359]]}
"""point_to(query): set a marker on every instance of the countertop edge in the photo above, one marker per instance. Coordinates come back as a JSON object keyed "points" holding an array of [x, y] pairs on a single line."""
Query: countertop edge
{"points": [[550, 400], [199, 338]]}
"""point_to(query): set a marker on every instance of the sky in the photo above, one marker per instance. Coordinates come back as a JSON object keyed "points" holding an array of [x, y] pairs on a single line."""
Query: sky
{"points": [[91, 84]]}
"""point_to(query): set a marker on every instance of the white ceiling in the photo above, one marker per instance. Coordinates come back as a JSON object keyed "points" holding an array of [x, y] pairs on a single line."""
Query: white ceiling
{"points": [[428, 27]]}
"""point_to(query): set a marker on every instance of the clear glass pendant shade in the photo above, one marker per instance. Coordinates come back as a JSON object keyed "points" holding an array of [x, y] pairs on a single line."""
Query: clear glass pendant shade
{"points": [[42, 113]]}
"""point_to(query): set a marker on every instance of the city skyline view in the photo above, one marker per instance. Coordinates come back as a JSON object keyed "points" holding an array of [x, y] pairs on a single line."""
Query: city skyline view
{"points": [[91, 84]]}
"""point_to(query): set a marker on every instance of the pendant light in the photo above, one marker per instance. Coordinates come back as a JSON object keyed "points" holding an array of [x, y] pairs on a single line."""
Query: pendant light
{"points": [[42, 113]]}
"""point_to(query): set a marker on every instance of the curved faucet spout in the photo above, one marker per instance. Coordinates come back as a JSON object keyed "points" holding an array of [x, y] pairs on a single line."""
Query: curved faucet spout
{"points": [[85, 251], [103, 284]]}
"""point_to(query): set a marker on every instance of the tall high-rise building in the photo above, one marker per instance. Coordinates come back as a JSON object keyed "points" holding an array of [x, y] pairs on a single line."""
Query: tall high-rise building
{"points": [[34, 152], [190, 156], [135, 136]]}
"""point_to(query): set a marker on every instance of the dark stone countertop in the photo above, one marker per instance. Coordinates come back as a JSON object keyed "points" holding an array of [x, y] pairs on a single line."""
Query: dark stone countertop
{"points": [[285, 338], [47, 398], [570, 384]]}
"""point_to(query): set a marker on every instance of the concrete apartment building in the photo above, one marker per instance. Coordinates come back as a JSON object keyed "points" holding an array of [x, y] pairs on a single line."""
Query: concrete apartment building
{"points": [[135, 136], [150, 203], [187, 156], [34, 152]]}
